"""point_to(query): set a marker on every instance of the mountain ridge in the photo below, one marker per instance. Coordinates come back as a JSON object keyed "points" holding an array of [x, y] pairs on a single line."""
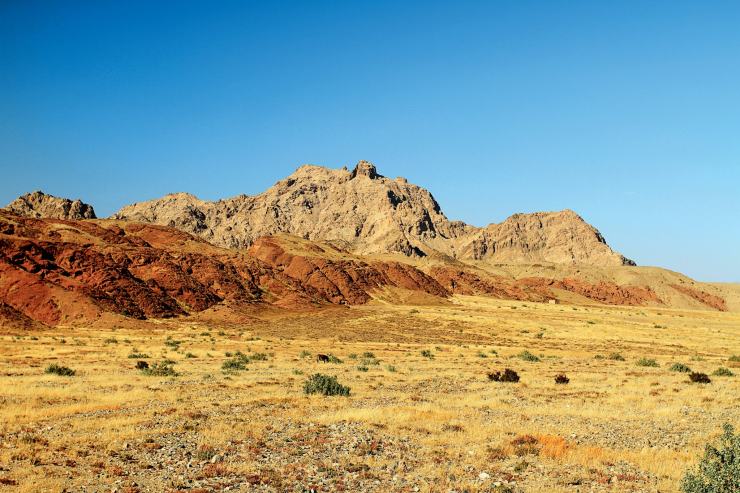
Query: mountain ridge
{"points": [[369, 213]]}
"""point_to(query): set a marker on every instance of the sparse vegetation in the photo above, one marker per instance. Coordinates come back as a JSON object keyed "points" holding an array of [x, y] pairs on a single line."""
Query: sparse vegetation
{"points": [[160, 369], [561, 379], [324, 385], [508, 375], [647, 362], [616, 357], [427, 354], [527, 356], [723, 372], [719, 469], [56, 369], [697, 377], [680, 367]]}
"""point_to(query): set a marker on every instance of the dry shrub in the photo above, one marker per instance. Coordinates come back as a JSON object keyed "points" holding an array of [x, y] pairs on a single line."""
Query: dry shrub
{"points": [[214, 470], [552, 446], [525, 445]]}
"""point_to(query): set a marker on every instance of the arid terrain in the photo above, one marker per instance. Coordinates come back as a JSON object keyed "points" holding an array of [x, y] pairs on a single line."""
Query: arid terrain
{"points": [[171, 347], [422, 414]]}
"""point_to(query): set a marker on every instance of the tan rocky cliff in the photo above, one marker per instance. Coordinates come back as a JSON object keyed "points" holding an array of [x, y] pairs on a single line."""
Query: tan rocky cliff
{"points": [[367, 213], [41, 205]]}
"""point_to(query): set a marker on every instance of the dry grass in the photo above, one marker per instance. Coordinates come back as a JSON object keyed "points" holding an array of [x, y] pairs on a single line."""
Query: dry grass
{"points": [[433, 423]]}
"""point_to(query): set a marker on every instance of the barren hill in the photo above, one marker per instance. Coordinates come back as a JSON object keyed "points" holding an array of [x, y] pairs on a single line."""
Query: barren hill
{"points": [[367, 213], [41, 205]]}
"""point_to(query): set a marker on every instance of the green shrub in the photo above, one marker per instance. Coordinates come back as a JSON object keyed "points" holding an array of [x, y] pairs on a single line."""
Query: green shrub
{"points": [[427, 354], [527, 356], [481, 354], [719, 469], [160, 369], [735, 358], [304, 354], [334, 359], [723, 372], [56, 369], [647, 362], [258, 357], [362, 368], [616, 357], [368, 354], [324, 385], [390, 368], [697, 377], [680, 367], [137, 355]]}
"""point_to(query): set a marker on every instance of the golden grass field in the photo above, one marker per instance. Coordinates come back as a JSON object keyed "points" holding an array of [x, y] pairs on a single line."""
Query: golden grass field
{"points": [[411, 422]]}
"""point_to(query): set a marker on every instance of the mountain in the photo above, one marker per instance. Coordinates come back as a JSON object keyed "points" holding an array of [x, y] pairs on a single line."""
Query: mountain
{"points": [[41, 205], [367, 213], [64, 272]]}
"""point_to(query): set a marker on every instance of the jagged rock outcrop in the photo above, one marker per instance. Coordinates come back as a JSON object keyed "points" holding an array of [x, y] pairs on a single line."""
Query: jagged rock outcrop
{"points": [[367, 213], [41, 205]]}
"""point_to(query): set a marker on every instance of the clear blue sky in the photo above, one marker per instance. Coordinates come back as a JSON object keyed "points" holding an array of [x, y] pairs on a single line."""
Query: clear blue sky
{"points": [[627, 112]]}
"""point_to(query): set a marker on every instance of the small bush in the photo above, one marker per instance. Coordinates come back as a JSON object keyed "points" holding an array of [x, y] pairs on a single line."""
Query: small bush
{"points": [[527, 356], [616, 357], [137, 355], [481, 354], [508, 375], [735, 358], [304, 354], [719, 469], [427, 354], [56, 369], [258, 357], [362, 368], [368, 354], [697, 377], [324, 385], [647, 362], [335, 360], [234, 364], [680, 367], [561, 379], [390, 368], [723, 372], [142, 365], [160, 369]]}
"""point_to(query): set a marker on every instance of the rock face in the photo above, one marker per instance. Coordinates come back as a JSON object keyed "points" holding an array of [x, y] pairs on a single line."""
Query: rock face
{"points": [[367, 213], [41, 205]]}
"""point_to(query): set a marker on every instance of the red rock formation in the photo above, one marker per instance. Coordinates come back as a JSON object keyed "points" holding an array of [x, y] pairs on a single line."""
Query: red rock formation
{"points": [[702, 296]]}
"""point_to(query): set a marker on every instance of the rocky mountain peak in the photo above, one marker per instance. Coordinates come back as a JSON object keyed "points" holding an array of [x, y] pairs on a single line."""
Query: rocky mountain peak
{"points": [[42, 205], [365, 168]]}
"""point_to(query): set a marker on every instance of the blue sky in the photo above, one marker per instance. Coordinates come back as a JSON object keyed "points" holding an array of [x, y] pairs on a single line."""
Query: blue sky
{"points": [[627, 112]]}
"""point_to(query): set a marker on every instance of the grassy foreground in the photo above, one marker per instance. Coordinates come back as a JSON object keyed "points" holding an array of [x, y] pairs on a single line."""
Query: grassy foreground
{"points": [[222, 406]]}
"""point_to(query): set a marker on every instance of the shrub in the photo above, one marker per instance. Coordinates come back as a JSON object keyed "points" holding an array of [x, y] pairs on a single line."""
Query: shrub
{"points": [[335, 360], [680, 367], [258, 357], [527, 356], [235, 364], [647, 362], [481, 354], [427, 354], [719, 469], [324, 385], [508, 375], [561, 379], [142, 365], [137, 355], [368, 354], [56, 369], [616, 357], [735, 358], [304, 354], [172, 343], [160, 369], [723, 372], [697, 377], [362, 368], [390, 368]]}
